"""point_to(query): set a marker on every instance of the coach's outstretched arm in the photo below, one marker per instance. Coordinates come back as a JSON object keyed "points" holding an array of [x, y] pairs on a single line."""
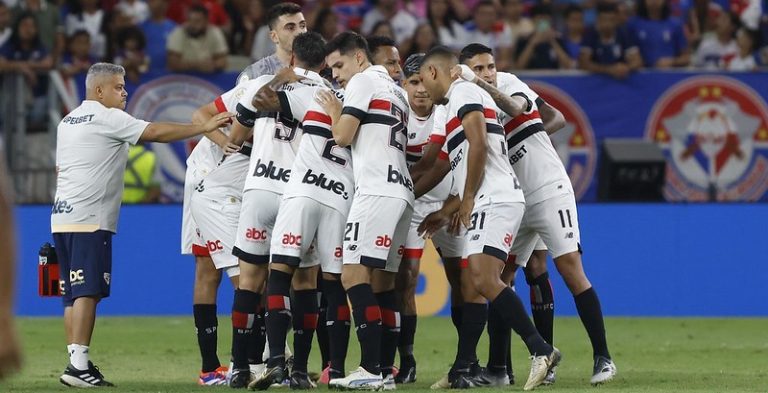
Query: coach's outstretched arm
{"points": [[169, 132], [205, 113]]}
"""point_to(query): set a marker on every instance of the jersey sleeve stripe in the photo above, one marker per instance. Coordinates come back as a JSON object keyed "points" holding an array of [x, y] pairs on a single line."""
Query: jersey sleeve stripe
{"points": [[540, 101], [245, 116], [438, 139], [494, 129], [375, 118], [456, 140], [380, 104], [518, 120], [319, 131], [318, 117], [285, 105], [469, 108], [528, 103], [219, 103], [348, 110], [525, 133]]}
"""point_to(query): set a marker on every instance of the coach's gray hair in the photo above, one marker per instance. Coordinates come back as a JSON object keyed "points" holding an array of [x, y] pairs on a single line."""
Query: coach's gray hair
{"points": [[100, 70]]}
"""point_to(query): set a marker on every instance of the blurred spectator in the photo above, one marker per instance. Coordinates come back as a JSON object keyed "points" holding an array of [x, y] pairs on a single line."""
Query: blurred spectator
{"points": [[158, 28], [385, 53], [25, 53], [5, 23], [403, 23], [247, 17], [543, 49], [49, 24], [587, 7], [86, 15], [326, 23], [487, 29], [659, 37], [137, 11], [114, 22], [442, 17], [518, 24], [197, 46], [750, 12], [383, 29], [130, 53], [424, 39], [701, 17], [745, 60], [719, 48], [608, 49], [77, 57], [178, 11], [762, 41], [574, 30]]}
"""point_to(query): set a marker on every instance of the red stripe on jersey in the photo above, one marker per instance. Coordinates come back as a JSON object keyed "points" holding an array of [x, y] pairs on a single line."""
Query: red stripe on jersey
{"points": [[438, 139], [489, 113], [442, 155], [380, 104], [520, 119], [220, 105], [415, 148], [452, 125], [318, 117]]}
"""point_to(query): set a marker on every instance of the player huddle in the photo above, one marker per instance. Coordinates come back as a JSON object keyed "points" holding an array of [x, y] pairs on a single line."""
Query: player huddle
{"points": [[320, 195]]}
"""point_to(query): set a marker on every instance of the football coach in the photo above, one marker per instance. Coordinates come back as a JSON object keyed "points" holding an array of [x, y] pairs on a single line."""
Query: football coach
{"points": [[91, 153]]}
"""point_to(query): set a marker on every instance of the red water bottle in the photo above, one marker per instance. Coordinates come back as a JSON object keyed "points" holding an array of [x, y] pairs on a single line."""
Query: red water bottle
{"points": [[48, 272]]}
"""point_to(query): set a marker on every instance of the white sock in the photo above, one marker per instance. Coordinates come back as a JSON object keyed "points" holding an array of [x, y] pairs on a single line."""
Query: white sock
{"points": [[78, 356]]}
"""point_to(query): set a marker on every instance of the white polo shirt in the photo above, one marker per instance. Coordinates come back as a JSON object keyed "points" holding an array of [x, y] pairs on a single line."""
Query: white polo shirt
{"points": [[91, 153]]}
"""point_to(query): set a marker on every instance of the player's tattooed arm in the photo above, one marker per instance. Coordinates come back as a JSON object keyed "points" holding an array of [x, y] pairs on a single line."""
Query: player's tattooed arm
{"points": [[266, 98], [477, 154], [511, 105]]}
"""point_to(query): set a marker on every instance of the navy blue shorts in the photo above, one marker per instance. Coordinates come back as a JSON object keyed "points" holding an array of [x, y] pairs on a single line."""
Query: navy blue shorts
{"points": [[85, 264]]}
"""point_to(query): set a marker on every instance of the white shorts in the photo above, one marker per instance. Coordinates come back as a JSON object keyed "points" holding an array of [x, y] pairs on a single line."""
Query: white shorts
{"points": [[217, 220], [448, 245], [375, 232], [297, 225], [493, 228], [190, 233], [555, 222], [257, 220]]}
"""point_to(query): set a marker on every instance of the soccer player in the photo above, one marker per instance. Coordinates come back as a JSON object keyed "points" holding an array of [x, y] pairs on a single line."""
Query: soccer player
{"points": [[276, 140], [425, 116], [491, 207], [319, 191], [91, 153], [384, 52], [550, 203], [285, 21], [214, 180], [373, 122]]}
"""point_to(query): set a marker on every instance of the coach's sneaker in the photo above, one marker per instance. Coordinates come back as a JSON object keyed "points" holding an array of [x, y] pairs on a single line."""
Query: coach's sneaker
{"points": [[550, 378], [241, 378], [359, 379], [300, 381], [270, 376], [490, 378], [213, 378], [603, 371], [540, 366], [88, 378]]}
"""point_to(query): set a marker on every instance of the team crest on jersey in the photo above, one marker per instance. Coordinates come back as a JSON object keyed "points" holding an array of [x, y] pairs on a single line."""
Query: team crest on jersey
{"points": [[575, 143], [172, 98], [714, 133]]}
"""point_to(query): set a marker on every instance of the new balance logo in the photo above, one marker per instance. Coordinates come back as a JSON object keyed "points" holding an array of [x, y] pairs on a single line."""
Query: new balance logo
{"points": [[255, 234], [289, 239], [569, 235], [214, 246], [383, 241], [394, 176], [271, 171], [325, 183]]}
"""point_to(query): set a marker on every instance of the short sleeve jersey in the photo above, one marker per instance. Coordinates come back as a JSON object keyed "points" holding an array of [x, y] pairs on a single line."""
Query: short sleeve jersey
{"points": [[322, 169], [276, 136], [534, 159], [499, 183], [419, 133], [378, 149], [91, 152]]}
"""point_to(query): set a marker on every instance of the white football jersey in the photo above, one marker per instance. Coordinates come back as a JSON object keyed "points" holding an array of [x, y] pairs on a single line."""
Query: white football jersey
{"points": [[420, 131], [499, 183], [91, 153], [378, 149], [276, 135], [322, 170], [543, 175]]}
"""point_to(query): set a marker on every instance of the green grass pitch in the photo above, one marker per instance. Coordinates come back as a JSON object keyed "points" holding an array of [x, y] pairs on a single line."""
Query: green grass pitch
{"points": [[652, 354]]}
